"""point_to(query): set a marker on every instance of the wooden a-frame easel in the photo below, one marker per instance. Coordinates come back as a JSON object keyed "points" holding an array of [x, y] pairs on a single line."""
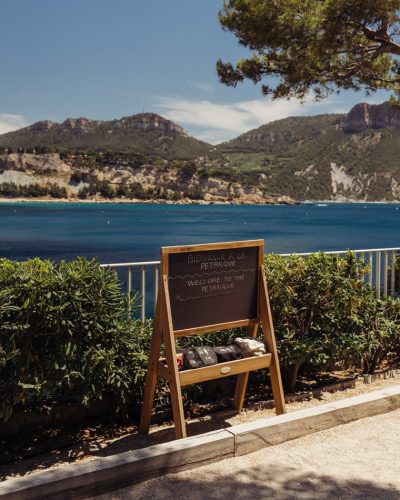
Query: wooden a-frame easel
{"points": [[163, 332]]}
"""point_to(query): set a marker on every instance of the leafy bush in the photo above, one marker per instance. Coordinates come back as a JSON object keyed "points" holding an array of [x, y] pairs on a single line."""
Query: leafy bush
{"points": [[317, 303], [64, 334], [378, 341], [187, 171]]}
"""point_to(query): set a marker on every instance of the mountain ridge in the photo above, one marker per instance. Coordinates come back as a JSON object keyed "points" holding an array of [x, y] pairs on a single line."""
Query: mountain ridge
{"points": [[361, 116], [341, 157], [145, 133]]}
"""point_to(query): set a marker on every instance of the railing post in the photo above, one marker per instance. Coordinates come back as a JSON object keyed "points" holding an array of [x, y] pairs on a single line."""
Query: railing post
{"points": [[370, 261], [385, 274], [143, 292], [393, 275], [362, 275], [129, 286], [155, 286], [378, 275]]}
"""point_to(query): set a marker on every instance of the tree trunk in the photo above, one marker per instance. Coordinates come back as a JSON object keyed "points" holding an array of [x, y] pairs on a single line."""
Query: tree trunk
{"points": [[290, 376], [374, 361]]}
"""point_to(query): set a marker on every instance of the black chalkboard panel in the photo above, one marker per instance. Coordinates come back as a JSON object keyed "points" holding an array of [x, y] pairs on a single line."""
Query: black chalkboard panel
{"points": [[210, 287]]}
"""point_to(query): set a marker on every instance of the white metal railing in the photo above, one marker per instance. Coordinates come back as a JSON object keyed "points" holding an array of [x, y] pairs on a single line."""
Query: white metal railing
{"points": [[138, 270], [137, 274]]}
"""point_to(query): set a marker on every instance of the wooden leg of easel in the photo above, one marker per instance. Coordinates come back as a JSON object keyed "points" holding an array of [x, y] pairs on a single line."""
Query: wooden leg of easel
{"points": [[276, 384], [175, 388], [170, 354], [240, 391], [242, 379], [269, 340], [151, 375]]}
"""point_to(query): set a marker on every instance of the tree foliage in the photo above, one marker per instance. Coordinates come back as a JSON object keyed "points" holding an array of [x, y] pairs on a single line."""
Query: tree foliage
{"points": [[35, 190], [318, 45]]}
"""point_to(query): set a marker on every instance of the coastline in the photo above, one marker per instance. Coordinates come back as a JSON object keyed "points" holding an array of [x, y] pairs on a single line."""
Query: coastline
{"points": [[136, 201], [188, 201]]}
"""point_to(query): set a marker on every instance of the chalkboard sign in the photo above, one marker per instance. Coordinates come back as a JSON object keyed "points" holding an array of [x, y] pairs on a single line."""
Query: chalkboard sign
{"points": [[204, 289], [213, 286]]}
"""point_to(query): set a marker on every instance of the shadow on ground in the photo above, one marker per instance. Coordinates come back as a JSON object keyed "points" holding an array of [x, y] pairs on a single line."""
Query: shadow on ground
{"points": [[102, 442], [278, 482]]}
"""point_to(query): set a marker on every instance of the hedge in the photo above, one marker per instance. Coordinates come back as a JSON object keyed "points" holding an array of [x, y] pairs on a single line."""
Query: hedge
{"points": [[64, 335], [325, 315]]}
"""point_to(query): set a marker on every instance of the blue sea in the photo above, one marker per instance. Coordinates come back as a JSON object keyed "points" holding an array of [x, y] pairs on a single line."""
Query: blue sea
{"points": [[127, 233]]}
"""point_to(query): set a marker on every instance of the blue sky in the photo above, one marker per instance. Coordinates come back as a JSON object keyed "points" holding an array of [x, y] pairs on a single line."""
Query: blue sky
{"points": [[104, 59]]}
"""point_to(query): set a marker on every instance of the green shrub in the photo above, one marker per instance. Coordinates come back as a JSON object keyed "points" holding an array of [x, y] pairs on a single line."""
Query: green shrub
{"points": [[64, 334], [378, 341], [187, 171], [316, 305]]}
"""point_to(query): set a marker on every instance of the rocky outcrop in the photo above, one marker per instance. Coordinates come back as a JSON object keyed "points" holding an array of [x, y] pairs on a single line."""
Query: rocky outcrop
{"points": [[73, 174], [25, 169], [35, 164], [78, 125], [42, 126], [142, 121], [371, 116], [151, 122]]}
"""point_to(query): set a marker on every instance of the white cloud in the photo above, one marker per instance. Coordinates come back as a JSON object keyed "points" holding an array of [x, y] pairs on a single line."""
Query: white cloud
{"points": [[214, 122], [10, 122], [204, 87]]}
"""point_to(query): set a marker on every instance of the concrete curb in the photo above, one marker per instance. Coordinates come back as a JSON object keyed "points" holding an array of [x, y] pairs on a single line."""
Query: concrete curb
{"points": [[89, 478]]}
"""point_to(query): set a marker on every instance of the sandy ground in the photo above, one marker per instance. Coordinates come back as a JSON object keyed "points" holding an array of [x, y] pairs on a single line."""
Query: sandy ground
{"points": [[97, 442], [359, 460]]}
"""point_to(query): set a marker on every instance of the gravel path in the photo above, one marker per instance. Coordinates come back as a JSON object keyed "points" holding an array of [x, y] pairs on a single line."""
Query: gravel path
{"points": [[359, 460]]}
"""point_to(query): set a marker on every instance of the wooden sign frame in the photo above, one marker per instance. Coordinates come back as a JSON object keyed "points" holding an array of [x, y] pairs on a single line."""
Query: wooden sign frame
{"points": [[163, 331]]}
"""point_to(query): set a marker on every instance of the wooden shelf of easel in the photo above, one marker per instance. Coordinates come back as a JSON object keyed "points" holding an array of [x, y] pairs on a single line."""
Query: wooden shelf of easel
{"points": [[219, 370]]}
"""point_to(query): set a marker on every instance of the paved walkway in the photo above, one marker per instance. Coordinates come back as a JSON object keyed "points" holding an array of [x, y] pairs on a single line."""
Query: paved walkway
{"points": [[360, 460]]}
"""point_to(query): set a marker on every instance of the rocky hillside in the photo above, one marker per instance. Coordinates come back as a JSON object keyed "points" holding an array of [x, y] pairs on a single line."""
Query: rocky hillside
{"points": [[326, 157], [371, 116], [107, 176], [352, 157], [145, 133]]}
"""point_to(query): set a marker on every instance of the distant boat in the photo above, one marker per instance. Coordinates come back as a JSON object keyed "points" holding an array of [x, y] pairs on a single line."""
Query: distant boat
{"points": [[322, 205]]}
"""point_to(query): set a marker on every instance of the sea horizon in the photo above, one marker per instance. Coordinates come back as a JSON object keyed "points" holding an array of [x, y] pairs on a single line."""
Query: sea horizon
{"points": [[118, 232]]}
